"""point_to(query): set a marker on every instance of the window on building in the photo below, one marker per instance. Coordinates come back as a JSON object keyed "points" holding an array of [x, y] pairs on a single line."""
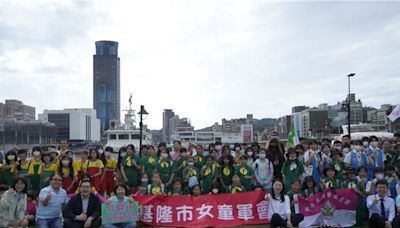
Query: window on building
{"points": [[123, 136]]}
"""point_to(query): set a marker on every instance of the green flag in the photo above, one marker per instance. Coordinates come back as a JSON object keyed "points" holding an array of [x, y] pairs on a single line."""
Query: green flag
{"points": [[293, 138]]}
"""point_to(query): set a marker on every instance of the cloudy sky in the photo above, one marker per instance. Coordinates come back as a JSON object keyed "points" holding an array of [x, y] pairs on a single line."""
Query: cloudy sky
{"points": [[204, 59]]}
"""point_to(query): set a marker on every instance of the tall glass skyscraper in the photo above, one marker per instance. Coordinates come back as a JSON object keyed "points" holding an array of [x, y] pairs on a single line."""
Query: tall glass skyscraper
{"points": [[106, 83]]}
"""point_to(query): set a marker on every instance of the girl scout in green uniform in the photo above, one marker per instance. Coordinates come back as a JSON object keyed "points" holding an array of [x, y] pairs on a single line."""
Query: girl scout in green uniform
{"points": [[292, 168], [245, 172], [47, 170], [338, 163], [226, 171], [180, 163], [23, 166], [34, 167], [208, 174], [190, 171], [149, 161], [236, 186], [352, 183], [165, 167], [10, 167], [199, 159], [130, 168], [330, 180], [156, 188]]}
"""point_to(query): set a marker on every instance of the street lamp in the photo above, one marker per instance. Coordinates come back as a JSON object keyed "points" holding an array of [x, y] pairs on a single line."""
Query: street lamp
{"points": [[141, 113], [348, 105]]}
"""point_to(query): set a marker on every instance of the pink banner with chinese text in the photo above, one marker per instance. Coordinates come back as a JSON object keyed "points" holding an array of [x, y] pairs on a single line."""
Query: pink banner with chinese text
{"points": [[204, 211]]}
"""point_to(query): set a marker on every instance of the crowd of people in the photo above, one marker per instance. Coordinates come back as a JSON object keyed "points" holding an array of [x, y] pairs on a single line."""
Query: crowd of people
{"points": [[38, 190]]}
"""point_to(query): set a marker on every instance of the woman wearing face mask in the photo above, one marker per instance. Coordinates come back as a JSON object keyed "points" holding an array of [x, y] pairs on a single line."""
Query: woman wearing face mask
{"points": [[355, 158], [23, 166], [33, 170], [263, 170], [149, 161], [379, 175], [376, 153], [107, 179], [387, 151], [275, 152], [94, 167], [66, 170], [165, 167], [190, 171], [250, 156], [10, 167]]}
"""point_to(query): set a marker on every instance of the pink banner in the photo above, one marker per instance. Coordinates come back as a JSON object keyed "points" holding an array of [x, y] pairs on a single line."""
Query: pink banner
{"points": [[343, 199], [210, 210]]}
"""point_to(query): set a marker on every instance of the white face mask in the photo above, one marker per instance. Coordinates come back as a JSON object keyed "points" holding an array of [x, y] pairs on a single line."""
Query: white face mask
{"points": [[100, 151], [123, 154], [36, 153], [144, 180], [374, 144], [379, 176], [345, 150], [262, 156], [107, 154], [65, 162], [365, 144], [218, 147], [215, 190], [250, 154], [191, 163], [237, 149]]}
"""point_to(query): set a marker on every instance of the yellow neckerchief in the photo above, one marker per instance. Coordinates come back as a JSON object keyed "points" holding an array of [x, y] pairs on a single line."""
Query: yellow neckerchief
{"points": [[236, 189], [155, 189], [193, 172], [243, 170], [128, 161], [151, 160], [24, 165], [226, 171], [164, 164]]}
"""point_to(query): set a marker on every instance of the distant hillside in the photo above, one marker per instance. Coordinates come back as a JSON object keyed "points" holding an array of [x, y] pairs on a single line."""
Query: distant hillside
{"points": [[259, 125]]}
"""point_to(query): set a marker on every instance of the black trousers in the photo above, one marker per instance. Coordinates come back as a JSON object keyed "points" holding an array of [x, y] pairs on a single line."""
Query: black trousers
{"points": [[377, 221], [70, 223], [277, 220]]}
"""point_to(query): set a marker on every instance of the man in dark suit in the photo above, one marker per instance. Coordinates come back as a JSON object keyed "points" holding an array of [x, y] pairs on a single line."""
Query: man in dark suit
{"points": [[83, 209]]}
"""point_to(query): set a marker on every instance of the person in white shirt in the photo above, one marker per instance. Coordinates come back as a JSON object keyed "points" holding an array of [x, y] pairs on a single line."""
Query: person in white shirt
{"points": [[381, 208], [279, 214]]}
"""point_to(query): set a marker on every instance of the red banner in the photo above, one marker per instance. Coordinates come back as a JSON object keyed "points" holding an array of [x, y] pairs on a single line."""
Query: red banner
{"points": [[243, 208]]}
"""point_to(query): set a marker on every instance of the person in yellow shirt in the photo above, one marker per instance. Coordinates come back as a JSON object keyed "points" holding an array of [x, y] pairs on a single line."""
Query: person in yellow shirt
{"points": [[78, 164], [33, 170], [107, 179], [46, 170], [94, 167]]}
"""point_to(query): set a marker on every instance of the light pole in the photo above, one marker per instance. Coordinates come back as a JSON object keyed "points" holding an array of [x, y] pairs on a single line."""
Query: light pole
{"points": [[348, 105], [141, 113]]}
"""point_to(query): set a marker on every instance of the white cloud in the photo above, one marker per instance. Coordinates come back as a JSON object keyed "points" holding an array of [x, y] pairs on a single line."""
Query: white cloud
{"points": [[204, 59]]}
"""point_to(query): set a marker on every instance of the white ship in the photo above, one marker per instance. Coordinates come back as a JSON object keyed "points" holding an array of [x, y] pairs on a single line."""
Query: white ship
{"points": [[128, 133]]}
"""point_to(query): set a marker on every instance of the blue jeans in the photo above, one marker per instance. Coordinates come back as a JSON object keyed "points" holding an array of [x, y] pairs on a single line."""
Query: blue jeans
{"points": [[49, 223], [121, 225]]}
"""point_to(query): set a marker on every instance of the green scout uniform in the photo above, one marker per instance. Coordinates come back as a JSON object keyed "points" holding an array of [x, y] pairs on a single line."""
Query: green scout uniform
{"points": [[46, 175], [208, 177], [155, 189], [339, 166], [396, 160], [226, 174], [130, 170], [292, 169], [235, 188], [149, 163], [330, 183], [199, 161], [165, 168], [243, 171], [190, 171], [360, 201], [179, 161], [35, 176], [22, 170], [8, 175]]}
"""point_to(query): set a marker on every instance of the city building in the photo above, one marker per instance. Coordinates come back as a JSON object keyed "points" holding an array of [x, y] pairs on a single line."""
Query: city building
{"points": [[76, 125], [356, 109], [283, 127], [314, 123], [299, 108], [26, 134], [16, 110], [106, 83], [166, 130]]}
